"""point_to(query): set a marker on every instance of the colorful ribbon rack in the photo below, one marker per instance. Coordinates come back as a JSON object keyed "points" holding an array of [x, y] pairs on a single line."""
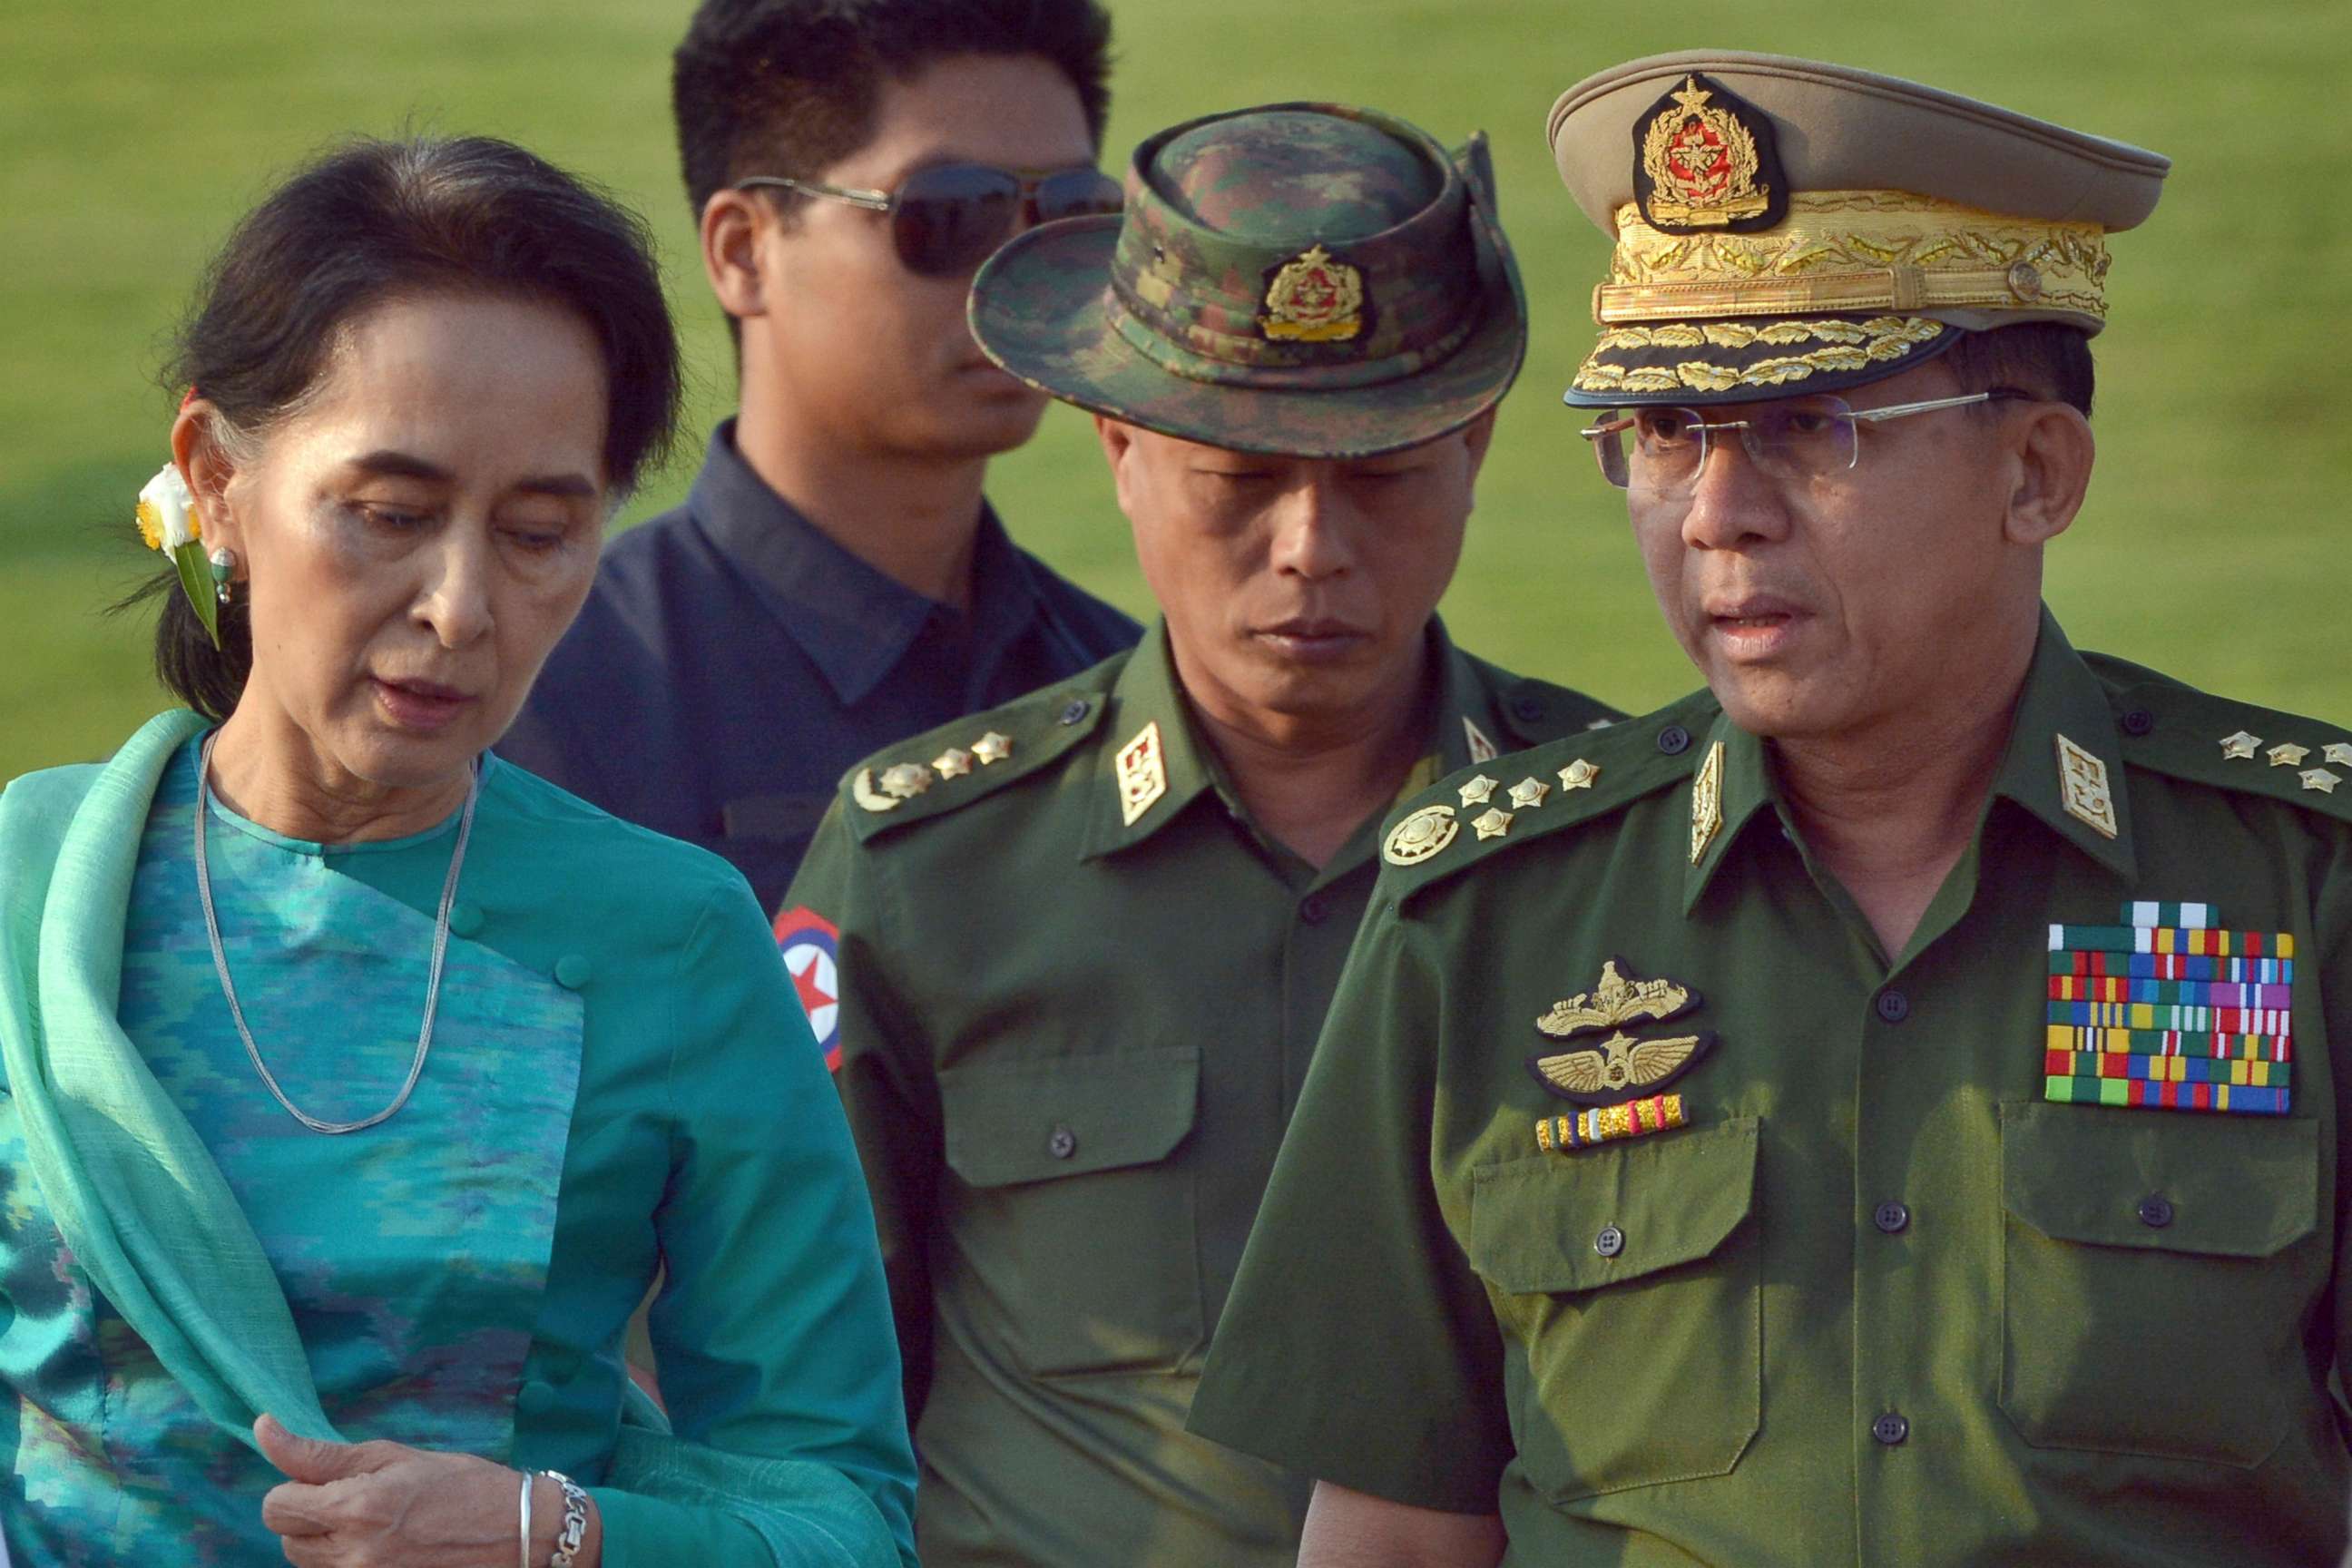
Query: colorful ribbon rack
{"points": [[1604, 1124], [2171, 1012]]}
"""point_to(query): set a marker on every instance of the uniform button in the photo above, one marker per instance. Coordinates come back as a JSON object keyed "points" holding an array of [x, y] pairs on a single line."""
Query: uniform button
{"points": [[465, 919], [2138, 722], [1076, 709], [572, 970], [1893, 1006], [1890, 1430], [536, 1398], [1529, 709], [1674, 740], [1313, 909], [1062, 1143], [1890, 1217], [1610, 1242], [2156, 1211]]}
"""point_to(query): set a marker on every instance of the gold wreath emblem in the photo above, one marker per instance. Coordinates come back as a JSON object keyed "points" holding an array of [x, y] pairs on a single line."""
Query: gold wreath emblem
{"points": [[1701, 163], [1315, 297], [1615, 1001], [1620, 1064], [1422, 835]]}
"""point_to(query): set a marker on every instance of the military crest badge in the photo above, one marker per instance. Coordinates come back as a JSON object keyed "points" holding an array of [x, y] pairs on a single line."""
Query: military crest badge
{"points": [[1620, 1067], [1704, 159], [1314, 297], [1142, 773]]}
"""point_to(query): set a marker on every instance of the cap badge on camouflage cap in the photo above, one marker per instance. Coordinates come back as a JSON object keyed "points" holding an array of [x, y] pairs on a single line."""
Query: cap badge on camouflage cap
{"points": [[1314, 297], [1704, 158]]}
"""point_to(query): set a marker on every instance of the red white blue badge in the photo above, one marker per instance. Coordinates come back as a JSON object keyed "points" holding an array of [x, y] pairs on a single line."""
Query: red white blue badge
{"points": [[811, 946]]}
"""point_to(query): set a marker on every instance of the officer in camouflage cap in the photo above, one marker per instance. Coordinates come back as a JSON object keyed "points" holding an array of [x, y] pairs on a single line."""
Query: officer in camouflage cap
{"points": [[1079, 947], [1884, 1109]]}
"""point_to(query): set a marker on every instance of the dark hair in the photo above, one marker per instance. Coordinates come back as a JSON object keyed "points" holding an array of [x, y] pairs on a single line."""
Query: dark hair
{"points": [[788, 87], [375, 220], [2046, 358]]}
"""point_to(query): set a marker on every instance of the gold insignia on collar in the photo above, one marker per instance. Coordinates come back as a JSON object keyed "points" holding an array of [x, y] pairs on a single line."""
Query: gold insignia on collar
{"points": [[2338, 752], [1419, 836], [2240, 746], [992, 748], [2319, 779], [1701, 163], [1706, 801], [906, 780], [1620, 1063], [1579, 775], [1493, 822], [1478, 791], [1528, 794], [953, 763], [1142, 773], [1314, 297], [1616, 1000], [2082, 788], [862, 791], [2288, 754], [1481, 750]]}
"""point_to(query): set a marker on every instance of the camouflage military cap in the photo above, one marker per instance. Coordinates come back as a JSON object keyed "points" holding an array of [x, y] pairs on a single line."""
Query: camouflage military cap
{"points": [[1302, 278], [1788, 227]]}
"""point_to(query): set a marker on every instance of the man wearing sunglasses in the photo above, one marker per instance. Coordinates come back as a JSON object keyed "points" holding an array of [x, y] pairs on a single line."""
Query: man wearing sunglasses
{"points": [[836, 579], [1085, 940], [1883, 1109]]}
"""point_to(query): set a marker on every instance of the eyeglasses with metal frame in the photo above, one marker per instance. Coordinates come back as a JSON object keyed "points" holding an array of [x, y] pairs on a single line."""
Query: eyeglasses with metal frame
{"points": [[1661, 451], [947, 218]]}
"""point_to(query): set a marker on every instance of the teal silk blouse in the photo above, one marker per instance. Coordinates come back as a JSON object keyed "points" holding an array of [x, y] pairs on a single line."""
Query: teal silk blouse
{"points": [[620, 1077]]}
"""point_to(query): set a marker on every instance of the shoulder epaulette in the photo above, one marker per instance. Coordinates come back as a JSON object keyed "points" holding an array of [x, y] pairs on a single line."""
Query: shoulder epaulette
{"points": [[1492, 807], [941, 769], [1536, 711], [2177, 731]]}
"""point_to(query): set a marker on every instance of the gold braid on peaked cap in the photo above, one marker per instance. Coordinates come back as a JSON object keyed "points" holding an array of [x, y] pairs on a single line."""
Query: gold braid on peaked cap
{"points": [[1785, 226]]}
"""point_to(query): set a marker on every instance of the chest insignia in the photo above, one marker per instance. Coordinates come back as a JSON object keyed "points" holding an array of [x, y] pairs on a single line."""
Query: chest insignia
{"points": [[1618, 1067], [2082, 788], [1142, 771], [1419, 836], [1706, 801], [2171, 1011], [1604, 1123], [1481, 750]]}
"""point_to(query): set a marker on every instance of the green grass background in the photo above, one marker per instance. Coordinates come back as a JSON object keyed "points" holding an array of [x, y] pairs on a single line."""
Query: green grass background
{"points": [[133, 132]]}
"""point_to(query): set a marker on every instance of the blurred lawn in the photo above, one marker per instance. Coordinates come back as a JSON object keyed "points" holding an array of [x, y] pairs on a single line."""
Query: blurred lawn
{"points": [[135, 134]]}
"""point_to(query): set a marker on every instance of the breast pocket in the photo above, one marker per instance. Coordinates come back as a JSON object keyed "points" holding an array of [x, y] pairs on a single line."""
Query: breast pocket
{"points": [[2159, 1269], [1627, 1277], [1075, 1225]]}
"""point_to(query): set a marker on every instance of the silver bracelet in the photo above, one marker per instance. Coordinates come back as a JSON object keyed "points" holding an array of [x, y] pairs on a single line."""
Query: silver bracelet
{"points": [[523, 1553], [575, 1519]]}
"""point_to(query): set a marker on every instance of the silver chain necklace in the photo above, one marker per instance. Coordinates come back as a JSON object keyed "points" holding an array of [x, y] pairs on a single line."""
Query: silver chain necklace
{"points": [[228, 987]]}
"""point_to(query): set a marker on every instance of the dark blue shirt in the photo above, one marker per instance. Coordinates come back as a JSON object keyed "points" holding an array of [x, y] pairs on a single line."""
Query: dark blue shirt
{"points": [[732, 663]]}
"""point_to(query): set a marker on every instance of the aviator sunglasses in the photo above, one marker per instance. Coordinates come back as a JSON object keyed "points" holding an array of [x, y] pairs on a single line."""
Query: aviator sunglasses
{"points": [[948, 218]]}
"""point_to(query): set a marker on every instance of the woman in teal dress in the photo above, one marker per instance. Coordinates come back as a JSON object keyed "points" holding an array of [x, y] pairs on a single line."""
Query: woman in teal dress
{"points": [[354, 1085]]}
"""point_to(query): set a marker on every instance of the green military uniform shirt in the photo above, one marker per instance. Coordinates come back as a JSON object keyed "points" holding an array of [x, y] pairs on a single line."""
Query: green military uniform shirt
{"points": [[1882, 1299], [1078, 992]]}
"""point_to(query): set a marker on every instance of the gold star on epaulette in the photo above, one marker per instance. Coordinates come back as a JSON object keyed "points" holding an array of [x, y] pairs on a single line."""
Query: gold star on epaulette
{"points": [[1493, 824], [906, 780], [1528, 794], [2240, 746], [1579, 775], [2288, 754], [2319, 779], [953, 763], [992, 748], [1478, 791], [2340, 754]]}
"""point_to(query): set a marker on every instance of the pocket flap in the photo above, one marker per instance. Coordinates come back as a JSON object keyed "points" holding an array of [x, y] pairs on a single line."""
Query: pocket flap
{"points": [[1671, 1198], [2237, 1186], [1038, 1122]]}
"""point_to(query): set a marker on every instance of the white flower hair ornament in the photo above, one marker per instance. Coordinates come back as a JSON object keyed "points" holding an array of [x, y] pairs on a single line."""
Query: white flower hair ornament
{"points": [[168, 522]]}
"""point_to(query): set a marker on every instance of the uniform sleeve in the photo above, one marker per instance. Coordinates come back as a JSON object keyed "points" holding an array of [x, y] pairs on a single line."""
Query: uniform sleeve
{"points": [[2333, 927], [1358, 1346], [773, 1332], [886, 1084]]}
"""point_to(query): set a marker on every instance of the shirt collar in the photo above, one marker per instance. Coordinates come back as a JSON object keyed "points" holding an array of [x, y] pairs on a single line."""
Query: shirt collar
{"points": [[1156, 757], [853, 621], [2062, 763]]}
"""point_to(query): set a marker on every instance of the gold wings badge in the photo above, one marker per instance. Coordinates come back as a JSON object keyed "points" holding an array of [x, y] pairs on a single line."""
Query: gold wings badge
{"points": [[1621, 1066]]}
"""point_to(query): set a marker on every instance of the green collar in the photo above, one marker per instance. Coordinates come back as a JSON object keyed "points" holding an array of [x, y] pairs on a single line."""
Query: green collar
{"points": [[1153, 763], [2063, 763]]}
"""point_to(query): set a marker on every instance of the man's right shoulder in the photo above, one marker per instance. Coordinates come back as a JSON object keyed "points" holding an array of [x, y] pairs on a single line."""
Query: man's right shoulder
{"points": [[998, 755]]}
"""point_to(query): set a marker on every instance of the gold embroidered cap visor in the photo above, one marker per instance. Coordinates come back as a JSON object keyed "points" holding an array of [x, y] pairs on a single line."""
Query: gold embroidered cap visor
{"points": [[1786, 226], [1303, 280]]}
